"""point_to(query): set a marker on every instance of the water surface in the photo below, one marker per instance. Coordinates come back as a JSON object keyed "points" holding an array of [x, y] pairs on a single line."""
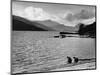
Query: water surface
{"points": [[32, 51]]}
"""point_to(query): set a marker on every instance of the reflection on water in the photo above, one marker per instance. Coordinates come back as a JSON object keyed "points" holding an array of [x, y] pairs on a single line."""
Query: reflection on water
{"points": [[34, 50]]}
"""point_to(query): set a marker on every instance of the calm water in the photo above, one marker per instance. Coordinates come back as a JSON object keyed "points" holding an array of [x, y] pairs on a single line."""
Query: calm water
{"points": [[40, 49]]}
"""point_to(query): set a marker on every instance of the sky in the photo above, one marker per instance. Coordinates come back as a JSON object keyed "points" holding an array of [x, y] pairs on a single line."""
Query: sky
{"points": [[66, 14]]}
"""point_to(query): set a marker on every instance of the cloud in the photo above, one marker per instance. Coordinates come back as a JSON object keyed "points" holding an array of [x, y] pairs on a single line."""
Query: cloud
{"points": [[88, 21], [39, 14], [66, 18], [84, 16], [32, 13]]}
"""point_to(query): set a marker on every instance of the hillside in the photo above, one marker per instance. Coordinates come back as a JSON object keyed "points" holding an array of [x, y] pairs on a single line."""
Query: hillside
{"points": [[89, 30], [22, 24], [58, 27], [19, 23]]}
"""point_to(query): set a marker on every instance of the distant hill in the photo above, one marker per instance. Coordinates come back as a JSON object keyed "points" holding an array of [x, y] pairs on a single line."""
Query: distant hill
{"points": [[21, 24], [58, 27], [65, 28], [48, 23], [87, 29]]}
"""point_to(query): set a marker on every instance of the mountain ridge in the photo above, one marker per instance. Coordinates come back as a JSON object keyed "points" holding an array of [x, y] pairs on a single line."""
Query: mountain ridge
{"points": [[58, 27], [47, 25], [20, 23]]}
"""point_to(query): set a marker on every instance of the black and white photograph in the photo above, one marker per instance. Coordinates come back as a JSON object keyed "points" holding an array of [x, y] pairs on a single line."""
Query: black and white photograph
{"points": [[52, 37]]}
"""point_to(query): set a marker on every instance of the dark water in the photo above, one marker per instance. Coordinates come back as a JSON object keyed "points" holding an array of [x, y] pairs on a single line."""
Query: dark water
{"points": [[32, 51]]}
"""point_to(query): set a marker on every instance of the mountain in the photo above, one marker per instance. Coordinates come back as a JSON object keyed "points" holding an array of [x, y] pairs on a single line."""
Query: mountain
{"points": [[22, 24], [48, 23], [19, 23], [58, 27], [87, 29], [65, 28]]}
